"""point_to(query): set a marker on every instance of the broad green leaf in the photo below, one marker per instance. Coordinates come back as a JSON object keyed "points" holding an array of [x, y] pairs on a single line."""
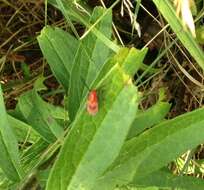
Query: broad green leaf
{"points": [[9, 155], [38, 114], [95, 141], [148, 118], [169, 13], [88, 61], [141, 155], [59, 48], [165, 179], [22, 130]]}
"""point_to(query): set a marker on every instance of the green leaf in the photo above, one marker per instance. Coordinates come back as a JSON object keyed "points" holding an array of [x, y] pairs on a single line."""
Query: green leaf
{"points": [[164, 179], [5, 184], [26, 70], [133, 60], [59, 48], [148, 118], [95, 141], [141, 156], [88, 61], [37, 113], [200, 34], [31, 157], [35, 116], [136, 188], [70, 11], [9, 155], [42, 177], [92, 45], [169, 13], [22, 130]]}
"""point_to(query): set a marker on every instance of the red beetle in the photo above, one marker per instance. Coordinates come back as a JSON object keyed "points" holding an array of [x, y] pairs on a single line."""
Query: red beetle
{"points": [[92, 103]]}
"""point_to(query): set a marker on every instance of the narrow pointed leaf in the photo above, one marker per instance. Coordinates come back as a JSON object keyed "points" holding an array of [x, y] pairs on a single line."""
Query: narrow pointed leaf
{"points": [[9, 155]]}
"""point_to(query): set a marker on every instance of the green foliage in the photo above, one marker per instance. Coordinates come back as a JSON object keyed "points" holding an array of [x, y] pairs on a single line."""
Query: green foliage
{"points": [[26, 71], [153, 149], [149, 117], [37, 113], [95, 135], [88, 62], [164, 179], [32, 155], [59, 48], [121, 147], [22, 130], [70, 11], [200, 34], [9, 156]]}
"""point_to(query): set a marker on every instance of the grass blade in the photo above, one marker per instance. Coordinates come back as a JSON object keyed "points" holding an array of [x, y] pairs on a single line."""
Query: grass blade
{"points": [[169, 13]]}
